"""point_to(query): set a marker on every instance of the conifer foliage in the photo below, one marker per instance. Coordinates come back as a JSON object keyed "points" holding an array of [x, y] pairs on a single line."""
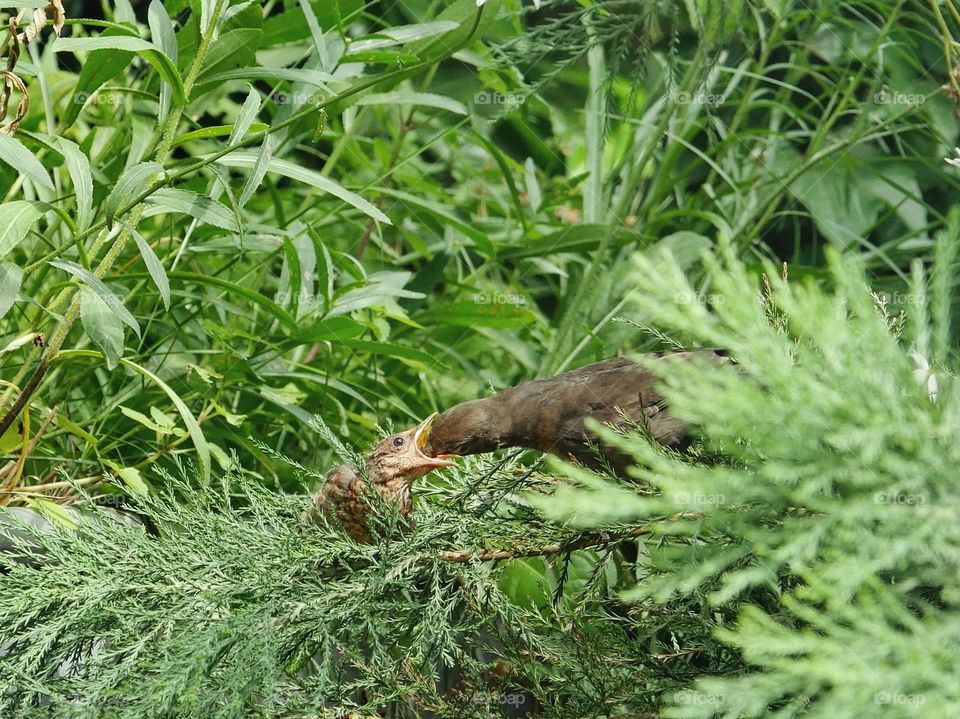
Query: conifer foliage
{"points": [[830, 525], [802, 560]]}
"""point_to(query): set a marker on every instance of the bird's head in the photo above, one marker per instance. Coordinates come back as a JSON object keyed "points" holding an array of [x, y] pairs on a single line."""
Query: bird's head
{"points": [[400, 457]]}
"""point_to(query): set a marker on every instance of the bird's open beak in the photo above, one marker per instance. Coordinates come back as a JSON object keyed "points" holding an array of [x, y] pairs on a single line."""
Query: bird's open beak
{"points": [[420, 435]]}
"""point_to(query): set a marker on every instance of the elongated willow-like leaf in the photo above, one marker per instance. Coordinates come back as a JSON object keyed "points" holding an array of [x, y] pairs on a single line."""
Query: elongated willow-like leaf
{"points": [[16, 154], [147, 50], [294, 172]]}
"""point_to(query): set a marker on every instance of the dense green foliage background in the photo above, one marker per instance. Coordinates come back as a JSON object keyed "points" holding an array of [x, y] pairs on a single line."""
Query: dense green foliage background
{"points": [[225, 218]]}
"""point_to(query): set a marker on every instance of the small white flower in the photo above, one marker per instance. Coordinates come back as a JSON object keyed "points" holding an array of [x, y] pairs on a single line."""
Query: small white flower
{"points": [[955, 161], [924, 374]]}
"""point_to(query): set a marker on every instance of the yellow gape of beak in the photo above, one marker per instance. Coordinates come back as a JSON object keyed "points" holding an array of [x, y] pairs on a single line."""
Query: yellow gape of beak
{"points": [[420, 436], [423, 431]]}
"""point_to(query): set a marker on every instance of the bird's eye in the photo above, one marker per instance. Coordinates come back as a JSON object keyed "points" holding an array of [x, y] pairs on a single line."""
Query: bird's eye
{"points": [[398, 441]]}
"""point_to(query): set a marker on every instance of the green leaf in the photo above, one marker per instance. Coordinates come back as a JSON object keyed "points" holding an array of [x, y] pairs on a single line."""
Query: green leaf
{"points": [[102, 325], [141, 418], [310, 177], [11, 441], [125, 43], [190, 203], [101, 66], [16, 219], [576, 238], [381, 286], [246, 116], [206, 376], [406, 97], [330, 330], [326, 270], [525, 582], [316, 32], [291, 25], [161, 30], [130, 186], [383, 57], [78, 166], [164, 37], [15, 153], [685, 246], [160, 423], [445, 216], [486, 311], [214, 132], [161, 417], [11, 276], [223, 459], [400, 35], [18, 342], [102, 291], [534, 195], [259, 170], [236, 48], [235, 419], [193, 428], [154, 266], [75, 429], [132, 480], [410, 355], [54, 513], [288, 394], [283, 317], [309, 77]]}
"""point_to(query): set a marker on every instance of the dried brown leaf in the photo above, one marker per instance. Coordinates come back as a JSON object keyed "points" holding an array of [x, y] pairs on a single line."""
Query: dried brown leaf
{"points": [[59, 15], [34, 27], [14, 53], [12, 81]]}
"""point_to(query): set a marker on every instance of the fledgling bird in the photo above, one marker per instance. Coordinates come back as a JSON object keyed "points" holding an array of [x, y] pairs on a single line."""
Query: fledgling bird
{"points": [[392, 467]]}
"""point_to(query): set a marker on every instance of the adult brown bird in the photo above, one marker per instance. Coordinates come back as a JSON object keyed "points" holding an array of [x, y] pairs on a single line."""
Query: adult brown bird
{"points": [[550, 414], [391, 468]]}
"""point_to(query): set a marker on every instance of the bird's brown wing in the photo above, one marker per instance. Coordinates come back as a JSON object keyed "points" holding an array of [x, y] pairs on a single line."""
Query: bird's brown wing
{"points": [[340, 498]]}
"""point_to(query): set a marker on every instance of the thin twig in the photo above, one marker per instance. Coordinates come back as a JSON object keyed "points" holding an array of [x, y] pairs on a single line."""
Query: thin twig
{"points": [[50, 486], [596, 539], [7, 468], [24, 398]]}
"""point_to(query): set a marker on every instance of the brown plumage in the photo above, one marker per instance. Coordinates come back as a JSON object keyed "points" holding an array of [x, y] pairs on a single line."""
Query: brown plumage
{"points": [[391, 467], [549, 414]]}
